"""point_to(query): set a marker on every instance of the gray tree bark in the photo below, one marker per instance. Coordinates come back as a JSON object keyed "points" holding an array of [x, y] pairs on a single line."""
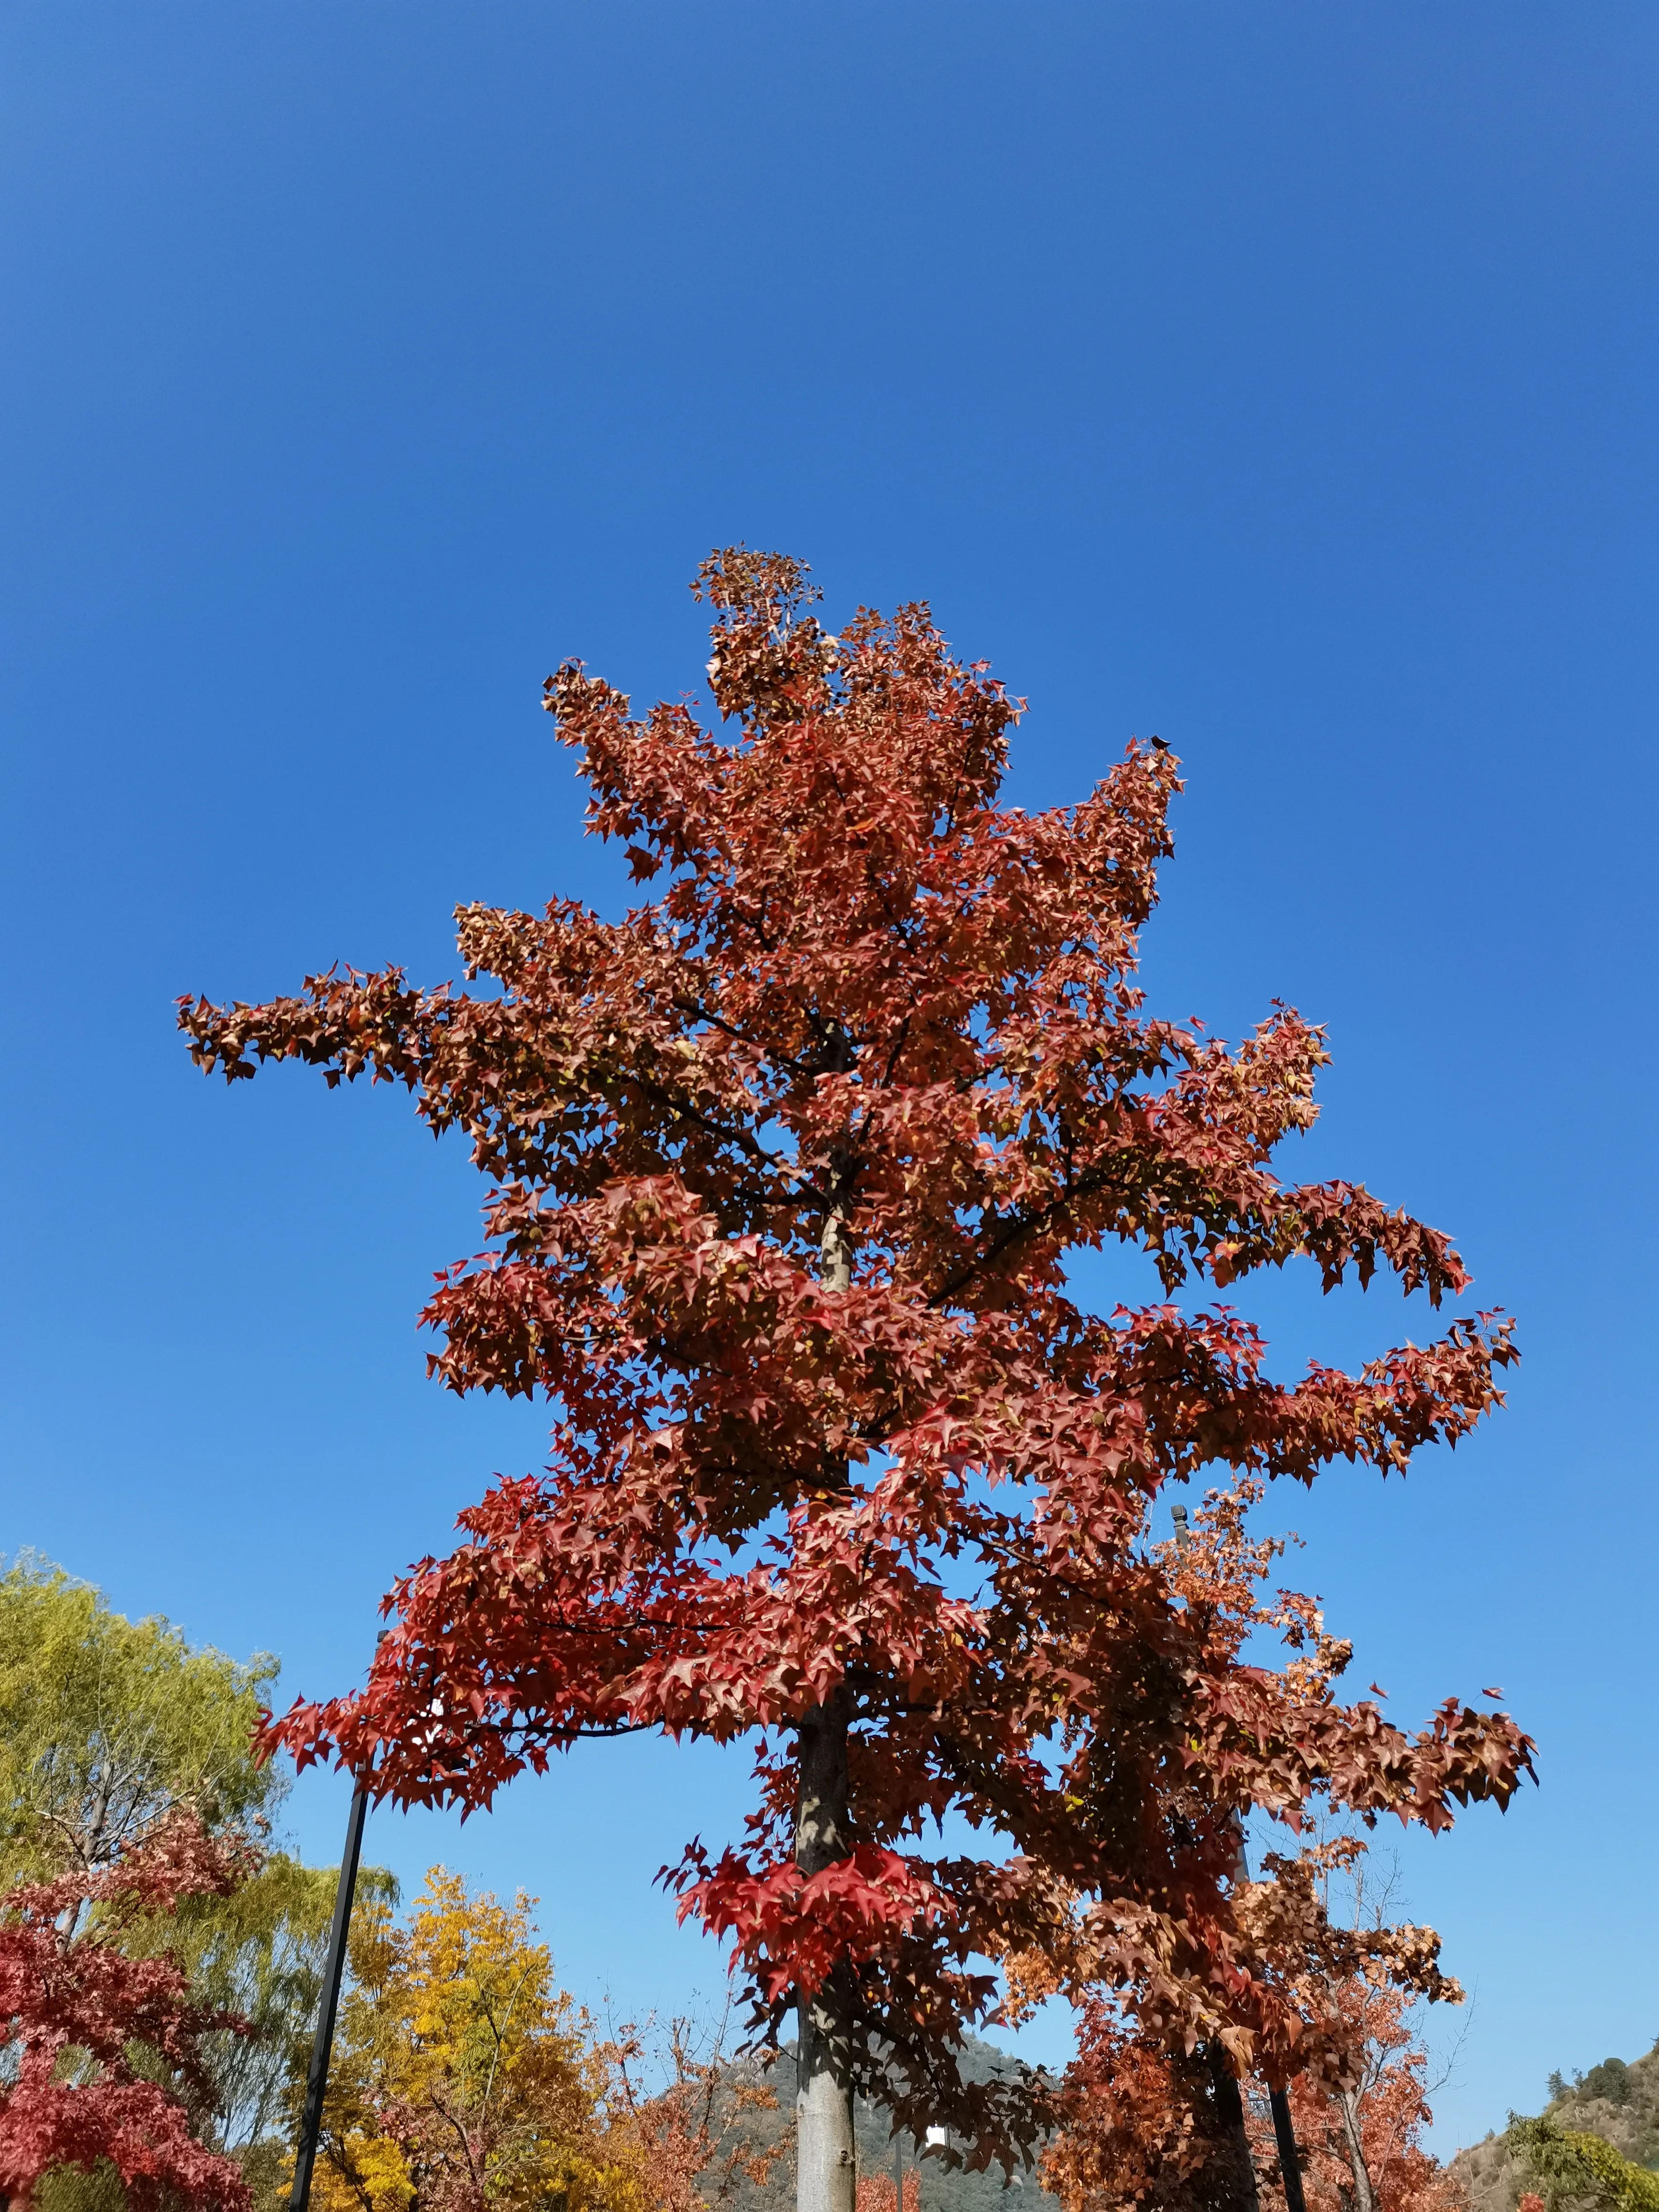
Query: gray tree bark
{"points": [[1364, 2196], [826, 2175]]}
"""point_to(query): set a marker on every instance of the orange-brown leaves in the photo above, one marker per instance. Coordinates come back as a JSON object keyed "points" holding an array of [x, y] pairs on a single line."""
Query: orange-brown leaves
{"points": [[1374, 2117], [766, 661], [1137, 2127]]}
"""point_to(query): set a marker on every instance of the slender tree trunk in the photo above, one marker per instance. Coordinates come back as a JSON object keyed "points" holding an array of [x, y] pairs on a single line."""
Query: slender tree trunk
{"points": [[826, 2172], [1364, 2196]]}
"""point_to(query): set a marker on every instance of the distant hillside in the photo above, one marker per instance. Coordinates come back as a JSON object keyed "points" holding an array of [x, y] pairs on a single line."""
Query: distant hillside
{"points": [[942, 2190], [1619, 2102]]}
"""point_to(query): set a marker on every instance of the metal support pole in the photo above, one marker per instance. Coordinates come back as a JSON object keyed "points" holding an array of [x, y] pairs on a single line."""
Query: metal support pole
{"points": [[1225, 2090], [1290, 2161], [310, 2126]]}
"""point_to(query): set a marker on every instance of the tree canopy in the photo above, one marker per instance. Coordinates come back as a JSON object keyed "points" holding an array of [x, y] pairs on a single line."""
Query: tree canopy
{"points": [[789, 1169], [463, 2077], [1573, 2167], [107, 1725]]}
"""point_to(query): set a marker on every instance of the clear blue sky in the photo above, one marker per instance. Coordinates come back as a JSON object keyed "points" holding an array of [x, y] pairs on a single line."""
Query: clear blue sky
{"points": [[1278, 379]]}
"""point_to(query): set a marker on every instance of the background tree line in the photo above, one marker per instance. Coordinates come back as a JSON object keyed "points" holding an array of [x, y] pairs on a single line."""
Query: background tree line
{"points": [[161, 1959], [465, 2079]]}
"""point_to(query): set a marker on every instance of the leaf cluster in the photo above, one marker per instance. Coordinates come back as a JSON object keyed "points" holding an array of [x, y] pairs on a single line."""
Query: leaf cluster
{"points": [[1574, 2168]]}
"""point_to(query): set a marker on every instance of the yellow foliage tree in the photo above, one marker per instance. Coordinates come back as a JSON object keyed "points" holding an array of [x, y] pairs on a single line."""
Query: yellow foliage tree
{"points": [[463, 2079]]}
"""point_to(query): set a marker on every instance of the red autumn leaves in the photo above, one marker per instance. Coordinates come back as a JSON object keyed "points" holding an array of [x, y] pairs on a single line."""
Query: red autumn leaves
{"points": [[785, 1169], [106, 2041]]}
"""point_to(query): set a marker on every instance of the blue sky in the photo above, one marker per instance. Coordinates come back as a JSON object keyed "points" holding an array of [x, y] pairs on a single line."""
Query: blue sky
{"points": [[1278, 379]]}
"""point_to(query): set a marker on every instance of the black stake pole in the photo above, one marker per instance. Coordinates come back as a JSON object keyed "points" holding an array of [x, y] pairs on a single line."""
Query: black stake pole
{"points": [[1290, 2162], [1286, 2134], [333, 1973], [1224, 2088]]}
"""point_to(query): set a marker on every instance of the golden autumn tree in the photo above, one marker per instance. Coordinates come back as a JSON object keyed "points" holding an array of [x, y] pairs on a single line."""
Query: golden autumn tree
{"points": [[463, 2080]]}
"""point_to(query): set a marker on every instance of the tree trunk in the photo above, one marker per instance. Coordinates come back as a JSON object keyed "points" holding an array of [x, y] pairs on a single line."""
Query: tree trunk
{"points": [[1234, 2172], [826, 2177], [1364, 2196]]}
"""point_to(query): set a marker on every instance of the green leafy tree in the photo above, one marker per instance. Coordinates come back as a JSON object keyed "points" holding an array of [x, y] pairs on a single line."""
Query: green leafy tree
{"points": [[259, 1953], [107, 1725], [1569, 2167], [108, 1729], [1611, 2080]]}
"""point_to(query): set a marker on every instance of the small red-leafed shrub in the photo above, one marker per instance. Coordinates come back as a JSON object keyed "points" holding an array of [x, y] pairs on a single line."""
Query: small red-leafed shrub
{"points": [[105, 2045]]}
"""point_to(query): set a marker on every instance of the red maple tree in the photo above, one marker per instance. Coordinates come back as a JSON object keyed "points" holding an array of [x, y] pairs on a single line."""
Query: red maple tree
{"points": [[1147, 2117], [104, 2045], [1138, 2125], [786, 1168], [1359, 2100]]}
